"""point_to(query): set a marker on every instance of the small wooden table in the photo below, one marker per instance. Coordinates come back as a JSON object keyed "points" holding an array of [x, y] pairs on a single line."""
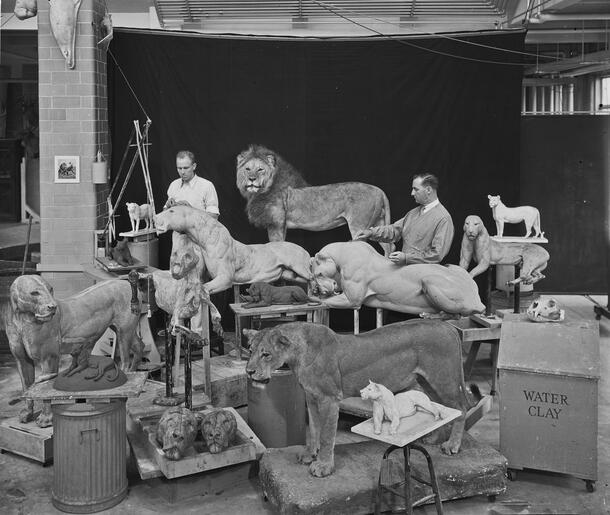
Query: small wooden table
{"points": [[317, 313]]}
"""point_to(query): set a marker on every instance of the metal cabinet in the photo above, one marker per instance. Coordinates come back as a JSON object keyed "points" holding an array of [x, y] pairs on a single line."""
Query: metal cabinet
{"points": [[548, 383]]}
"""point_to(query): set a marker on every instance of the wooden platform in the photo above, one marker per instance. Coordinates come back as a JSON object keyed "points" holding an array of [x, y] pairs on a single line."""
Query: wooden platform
{"points": [[27, 440], [477, 470]]}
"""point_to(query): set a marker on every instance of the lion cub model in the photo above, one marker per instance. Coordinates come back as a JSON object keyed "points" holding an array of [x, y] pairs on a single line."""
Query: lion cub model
{"points": [[331, 366], [137, 213], [392, 407], [264, 294]]}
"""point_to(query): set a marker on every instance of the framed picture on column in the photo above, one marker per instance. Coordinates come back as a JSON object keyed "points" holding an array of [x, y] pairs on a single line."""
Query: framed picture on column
{"points": [[67, 169]]}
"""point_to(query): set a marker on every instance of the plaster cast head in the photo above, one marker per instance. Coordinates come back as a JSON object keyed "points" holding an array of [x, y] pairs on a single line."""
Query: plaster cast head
{"points": [[424, 188], [186, 165]]}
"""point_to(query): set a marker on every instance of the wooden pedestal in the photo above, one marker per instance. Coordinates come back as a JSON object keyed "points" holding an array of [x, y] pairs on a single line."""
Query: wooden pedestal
{"points": [[27, 440]]}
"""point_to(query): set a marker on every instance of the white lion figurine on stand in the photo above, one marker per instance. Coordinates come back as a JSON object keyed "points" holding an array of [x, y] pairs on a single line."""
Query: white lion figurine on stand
{"points": [[394, 407], [514, 215], [137, 213]]}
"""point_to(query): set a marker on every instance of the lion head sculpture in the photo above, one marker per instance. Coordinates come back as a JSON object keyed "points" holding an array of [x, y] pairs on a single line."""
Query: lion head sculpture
{"points": [[176, 432], [545, 309], [32, 295], [326, 275], [218, 429], [473, 227]]}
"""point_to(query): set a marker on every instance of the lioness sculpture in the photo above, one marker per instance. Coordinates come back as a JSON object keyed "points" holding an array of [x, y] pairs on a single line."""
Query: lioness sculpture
{"points": [[477, 245], [280, 199], [513, 215], [39, 328], [227, 260], [330, 366], [352, 274]]}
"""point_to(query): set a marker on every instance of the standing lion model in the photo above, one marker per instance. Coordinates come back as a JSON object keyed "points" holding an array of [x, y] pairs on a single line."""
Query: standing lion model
{"points": [[280, 199], [39, 328], [331, 366]]}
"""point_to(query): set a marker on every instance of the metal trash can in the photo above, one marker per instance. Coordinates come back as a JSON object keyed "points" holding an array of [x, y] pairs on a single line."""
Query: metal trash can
{"points": [[276, 413], [89, 470]]}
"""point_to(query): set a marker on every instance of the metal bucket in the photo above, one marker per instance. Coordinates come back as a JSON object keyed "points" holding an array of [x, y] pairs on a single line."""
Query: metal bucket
{"points": [[147, 252], [276, 413], [89, 469]]}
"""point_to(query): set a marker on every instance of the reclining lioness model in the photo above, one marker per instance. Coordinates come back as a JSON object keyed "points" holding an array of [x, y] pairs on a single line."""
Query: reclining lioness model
{"points": [[330, 366]]}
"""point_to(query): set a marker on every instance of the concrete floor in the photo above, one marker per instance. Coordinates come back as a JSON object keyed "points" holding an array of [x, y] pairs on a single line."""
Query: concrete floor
{"points": [[25, 485]]}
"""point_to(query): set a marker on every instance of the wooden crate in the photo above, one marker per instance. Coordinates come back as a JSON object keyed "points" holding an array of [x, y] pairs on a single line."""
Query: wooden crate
{"points": [[548, 375], [198, 458], [27, 440]]}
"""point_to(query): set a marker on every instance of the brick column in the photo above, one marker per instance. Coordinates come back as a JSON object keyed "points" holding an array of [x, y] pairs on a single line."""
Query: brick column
{"points": [[73, 122]]}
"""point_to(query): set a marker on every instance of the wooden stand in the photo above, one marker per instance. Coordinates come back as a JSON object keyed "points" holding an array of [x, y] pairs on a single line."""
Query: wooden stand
{"points": [[317, 313], [27, 440]]}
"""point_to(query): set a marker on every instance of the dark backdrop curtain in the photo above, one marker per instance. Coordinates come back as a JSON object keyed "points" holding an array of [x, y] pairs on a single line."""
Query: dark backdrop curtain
{"points": [[373, 110]]}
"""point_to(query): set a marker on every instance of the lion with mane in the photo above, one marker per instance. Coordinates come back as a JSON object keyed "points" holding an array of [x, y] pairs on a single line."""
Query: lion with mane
{"points": [[478, 245], [279, 198]]}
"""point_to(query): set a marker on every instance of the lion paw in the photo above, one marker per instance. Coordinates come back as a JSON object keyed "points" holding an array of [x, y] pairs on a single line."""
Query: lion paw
{"points": [[305, 456], [26, 415], [450, 448], [44, 420], [321, 468]]}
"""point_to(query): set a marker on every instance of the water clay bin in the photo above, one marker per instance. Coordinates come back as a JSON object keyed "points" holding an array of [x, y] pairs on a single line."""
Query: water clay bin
{"points": [[548, 375], [276, 413], [89, 471]]}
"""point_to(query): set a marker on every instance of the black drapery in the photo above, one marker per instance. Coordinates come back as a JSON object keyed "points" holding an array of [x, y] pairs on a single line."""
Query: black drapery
{"points": [[373, 110]]}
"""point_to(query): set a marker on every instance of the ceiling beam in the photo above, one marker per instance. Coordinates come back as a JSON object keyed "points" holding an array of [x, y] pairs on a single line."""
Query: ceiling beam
{"points": [[572, 63]]}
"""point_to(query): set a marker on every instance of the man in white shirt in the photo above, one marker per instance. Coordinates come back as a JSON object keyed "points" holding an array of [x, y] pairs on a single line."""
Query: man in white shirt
{"points": [[194, 191], [190, 189]]}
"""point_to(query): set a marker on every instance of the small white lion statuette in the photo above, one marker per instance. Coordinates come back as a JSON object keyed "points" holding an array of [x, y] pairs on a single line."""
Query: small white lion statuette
{"points": [[514, 215], [394, 407], [137, 213]]}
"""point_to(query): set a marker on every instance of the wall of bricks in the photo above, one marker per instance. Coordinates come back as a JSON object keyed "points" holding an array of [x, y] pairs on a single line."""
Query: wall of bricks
{"points": [[73, 122]]}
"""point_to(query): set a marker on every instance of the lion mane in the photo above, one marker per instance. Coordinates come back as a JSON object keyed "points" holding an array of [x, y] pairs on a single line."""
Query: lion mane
{"points": [[271, 174]]}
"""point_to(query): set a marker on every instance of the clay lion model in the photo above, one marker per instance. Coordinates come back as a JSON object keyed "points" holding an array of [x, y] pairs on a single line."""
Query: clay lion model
{"points": [[477, 245], [227, 260], [331, 366], [280, 199], [352, 274], [513, 215], [121, 254], [264, 294], [40, 327], [392, 407]]}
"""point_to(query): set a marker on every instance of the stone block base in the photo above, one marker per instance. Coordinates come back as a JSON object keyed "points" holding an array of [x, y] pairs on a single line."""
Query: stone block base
{"points": [[477, 470]]}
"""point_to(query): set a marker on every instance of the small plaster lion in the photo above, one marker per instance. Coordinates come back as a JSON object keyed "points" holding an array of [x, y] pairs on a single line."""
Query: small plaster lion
{"points": [[513, 215], [392, 407]]}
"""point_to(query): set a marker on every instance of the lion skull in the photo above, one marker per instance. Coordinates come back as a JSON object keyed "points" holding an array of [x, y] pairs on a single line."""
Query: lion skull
{"points": [[545, 310]]}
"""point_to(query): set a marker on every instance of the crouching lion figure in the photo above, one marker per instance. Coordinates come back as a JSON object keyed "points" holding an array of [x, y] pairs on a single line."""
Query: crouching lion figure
{"points": [[477, 245], [39, 328], [227, 260], [279, 198], [352, 274], [330, 366]]}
